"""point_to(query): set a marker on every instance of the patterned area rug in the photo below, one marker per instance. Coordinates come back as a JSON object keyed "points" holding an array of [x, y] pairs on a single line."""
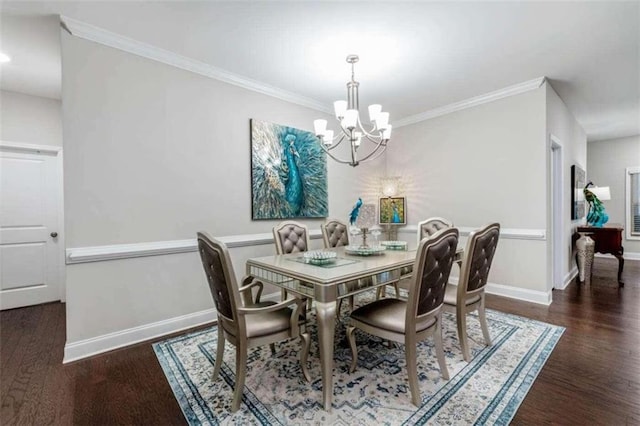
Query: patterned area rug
{"points": [[488, 390]]}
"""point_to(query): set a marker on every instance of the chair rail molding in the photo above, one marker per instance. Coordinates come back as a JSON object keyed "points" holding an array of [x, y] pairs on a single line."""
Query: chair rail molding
{"points": [[158, 248], [508, 233], [28, 147]]}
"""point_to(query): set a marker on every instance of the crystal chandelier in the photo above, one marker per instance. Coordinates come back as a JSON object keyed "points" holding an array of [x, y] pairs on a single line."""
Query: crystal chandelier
{"points": [[352, 129]]}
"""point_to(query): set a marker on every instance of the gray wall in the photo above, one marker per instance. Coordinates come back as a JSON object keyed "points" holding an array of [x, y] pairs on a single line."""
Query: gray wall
{"points": [[30, 119], [479, 165], [606, 165], [155, 153]]}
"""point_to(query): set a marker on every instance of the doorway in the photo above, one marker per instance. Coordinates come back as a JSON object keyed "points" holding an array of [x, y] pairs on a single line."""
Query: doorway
{"points": [[31, 243], [557, 203]]}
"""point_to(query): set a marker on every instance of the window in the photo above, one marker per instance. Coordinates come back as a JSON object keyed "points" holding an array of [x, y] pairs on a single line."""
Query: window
{"points": [[633, 203]]}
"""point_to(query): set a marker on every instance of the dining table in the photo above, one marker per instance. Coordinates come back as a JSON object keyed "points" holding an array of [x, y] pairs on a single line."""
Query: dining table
{"points": [[350, 272]]}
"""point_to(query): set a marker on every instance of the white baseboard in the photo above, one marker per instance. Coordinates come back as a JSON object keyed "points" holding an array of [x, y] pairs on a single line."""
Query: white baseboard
{"points": [[107, 342], [569, 277], [626, 256], [533, 296], [524, 294]]}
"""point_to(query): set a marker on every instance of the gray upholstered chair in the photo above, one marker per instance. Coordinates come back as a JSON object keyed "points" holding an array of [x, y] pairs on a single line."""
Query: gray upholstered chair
{"points": [[291, 237], [335, 233], [428, 227], [246, 326], [420, 315], [468, 295]]}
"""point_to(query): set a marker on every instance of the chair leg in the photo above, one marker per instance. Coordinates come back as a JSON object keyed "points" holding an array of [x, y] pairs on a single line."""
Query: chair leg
{"points": [[437, 337], [461, 320], [351, 303], [354, 350], [483, 323], [241, 373], [273, 348], [304, 355], [396, 286], [412, 372], [219, 354]]}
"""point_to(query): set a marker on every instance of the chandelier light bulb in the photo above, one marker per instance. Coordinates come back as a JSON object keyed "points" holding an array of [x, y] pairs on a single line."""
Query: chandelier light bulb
{"points": [[327, 139], [320, 126], [358, 138], [374, 110], [340, 107], [382, 122], [386, 134], [350, 118]]}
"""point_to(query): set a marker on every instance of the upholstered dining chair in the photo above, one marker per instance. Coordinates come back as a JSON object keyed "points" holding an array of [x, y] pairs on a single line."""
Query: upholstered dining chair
{"points": [[336, 234], [430, 226], [426, 228], [290, 237], [420, 315], [468, 295], [246, 326]]}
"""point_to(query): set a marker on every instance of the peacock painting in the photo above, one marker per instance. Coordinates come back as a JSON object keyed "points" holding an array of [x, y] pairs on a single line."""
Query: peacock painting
{"points": [[288, 173]]}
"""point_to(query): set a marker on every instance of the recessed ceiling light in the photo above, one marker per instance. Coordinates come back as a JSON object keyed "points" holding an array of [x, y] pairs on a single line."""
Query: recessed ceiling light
{"points": [[4, 58]]}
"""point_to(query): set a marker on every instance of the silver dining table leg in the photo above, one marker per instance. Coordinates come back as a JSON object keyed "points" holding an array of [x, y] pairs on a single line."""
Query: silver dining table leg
{"points": [[326, 317]]}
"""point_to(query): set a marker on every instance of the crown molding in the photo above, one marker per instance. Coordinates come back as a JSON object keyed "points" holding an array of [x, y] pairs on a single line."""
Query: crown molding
{"points": [[98, 35], [516, 89]]}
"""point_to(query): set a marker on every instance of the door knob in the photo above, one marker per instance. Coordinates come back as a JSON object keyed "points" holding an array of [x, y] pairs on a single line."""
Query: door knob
{"points": [[54, 234]]}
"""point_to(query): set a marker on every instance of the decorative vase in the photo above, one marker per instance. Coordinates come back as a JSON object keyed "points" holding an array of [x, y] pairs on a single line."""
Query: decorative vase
{"points": [[584, 256]]}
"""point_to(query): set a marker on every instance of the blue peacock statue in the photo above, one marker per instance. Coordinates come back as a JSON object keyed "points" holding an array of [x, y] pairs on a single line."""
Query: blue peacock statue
{"points": [[293, 183], [597, 216], [353, 216]]}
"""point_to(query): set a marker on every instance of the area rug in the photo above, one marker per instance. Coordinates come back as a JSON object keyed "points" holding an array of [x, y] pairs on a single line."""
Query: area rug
{"points": [[488, 390]]}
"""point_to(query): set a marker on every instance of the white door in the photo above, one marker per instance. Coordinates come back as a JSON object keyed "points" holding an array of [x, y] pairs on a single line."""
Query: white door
{"points": [[30, 249]]}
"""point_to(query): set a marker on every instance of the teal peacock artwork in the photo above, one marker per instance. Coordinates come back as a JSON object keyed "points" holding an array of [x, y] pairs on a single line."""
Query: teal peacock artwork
{"points": [[288, 173], [597, 216]]}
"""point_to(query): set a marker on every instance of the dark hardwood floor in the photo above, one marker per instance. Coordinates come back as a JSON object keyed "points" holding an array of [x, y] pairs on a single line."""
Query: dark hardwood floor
{"points": [[592, 377]]}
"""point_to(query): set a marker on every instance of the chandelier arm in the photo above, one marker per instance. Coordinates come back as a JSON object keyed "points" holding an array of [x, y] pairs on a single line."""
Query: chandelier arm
{"points": [[367, 134], [375, 141], [370, 156], [337, 159], [334, 145]]}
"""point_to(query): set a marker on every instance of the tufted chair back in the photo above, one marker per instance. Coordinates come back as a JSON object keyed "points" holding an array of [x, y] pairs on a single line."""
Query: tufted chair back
{"points": [[291, 237], [428, 227], [335, 233], [434, 259], [479, 252], [219, 271]]}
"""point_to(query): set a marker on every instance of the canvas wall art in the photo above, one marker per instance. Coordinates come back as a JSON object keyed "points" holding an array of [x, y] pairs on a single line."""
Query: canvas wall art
{"points": [[288, 173], [393, 211], [578, 182]]}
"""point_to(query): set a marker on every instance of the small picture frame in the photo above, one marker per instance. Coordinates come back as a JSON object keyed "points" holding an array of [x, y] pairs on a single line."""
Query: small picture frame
{"points": [[393, 211]]}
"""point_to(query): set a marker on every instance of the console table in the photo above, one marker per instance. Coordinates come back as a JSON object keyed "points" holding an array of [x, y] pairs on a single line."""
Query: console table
{"points": [[608, 240]]}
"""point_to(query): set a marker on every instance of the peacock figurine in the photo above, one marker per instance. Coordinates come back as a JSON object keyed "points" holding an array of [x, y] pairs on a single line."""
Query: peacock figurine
{"points": [[597, 215], [354, 212], [293, 183]]}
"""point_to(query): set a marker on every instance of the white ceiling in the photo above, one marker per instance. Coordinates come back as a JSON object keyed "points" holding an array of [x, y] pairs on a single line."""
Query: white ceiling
{"points": [[414, 56]]}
